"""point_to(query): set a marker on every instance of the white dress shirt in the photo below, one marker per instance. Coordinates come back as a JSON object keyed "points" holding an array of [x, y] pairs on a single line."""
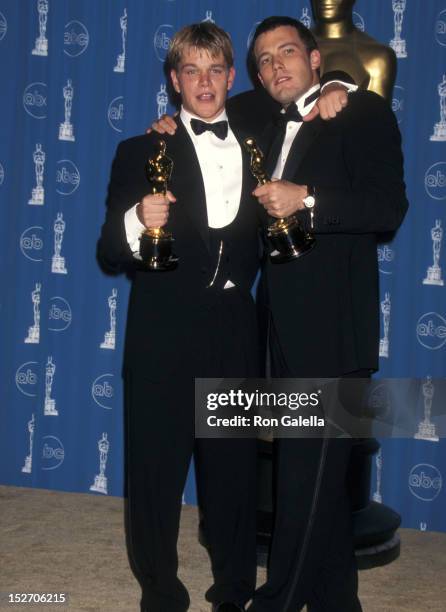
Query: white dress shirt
{"points": [[221, 168]]}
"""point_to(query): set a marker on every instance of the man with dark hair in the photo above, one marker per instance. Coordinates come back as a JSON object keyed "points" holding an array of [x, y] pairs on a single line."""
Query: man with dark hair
{"points": [[344, 181], [270, 23], [195, 321]]}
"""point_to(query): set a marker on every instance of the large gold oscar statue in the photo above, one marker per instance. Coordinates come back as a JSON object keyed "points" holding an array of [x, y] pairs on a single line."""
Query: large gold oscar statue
{"points": [[343, 47]]}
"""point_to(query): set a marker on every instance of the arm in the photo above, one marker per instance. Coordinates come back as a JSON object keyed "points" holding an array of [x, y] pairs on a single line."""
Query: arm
{"points": [[118, 245], [335, 87], [113, 249], [376, 200]]}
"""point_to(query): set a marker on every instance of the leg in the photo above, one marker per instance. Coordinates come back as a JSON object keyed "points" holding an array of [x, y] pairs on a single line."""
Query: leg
{"points": [[226, 479], [226, 468], [312, 548], [337, 584], [159, 447]]}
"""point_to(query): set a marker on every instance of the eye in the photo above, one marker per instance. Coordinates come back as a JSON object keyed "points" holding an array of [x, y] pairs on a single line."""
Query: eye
{"points": [[264, 61], [217, 71], [289, 50]]}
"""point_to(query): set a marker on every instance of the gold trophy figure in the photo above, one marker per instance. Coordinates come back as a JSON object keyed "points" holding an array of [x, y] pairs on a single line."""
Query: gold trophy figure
{"points": [[344, 46], [286, 235], [156, 243]]}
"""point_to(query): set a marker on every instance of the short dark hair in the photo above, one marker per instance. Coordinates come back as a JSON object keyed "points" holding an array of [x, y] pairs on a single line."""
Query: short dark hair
{"points": [[271, 23], [204, 35]]}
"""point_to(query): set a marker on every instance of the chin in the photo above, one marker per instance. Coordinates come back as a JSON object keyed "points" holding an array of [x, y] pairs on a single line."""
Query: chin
{"points": [[205, 112], [208, 114], [285, 98]]}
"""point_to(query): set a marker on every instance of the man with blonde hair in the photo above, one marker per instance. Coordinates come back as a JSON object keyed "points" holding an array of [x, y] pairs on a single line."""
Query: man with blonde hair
{"points": [[195, 321]]}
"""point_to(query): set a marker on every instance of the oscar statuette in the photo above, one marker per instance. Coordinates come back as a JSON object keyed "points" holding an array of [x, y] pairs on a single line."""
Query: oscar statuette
{"points": [[287, 237], [156, 243]]}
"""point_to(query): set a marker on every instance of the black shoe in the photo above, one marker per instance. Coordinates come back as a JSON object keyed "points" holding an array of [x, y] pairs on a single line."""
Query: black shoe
{"points": [[227, 607]]}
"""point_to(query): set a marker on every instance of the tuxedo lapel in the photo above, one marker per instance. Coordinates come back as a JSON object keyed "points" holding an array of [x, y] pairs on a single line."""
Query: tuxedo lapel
{"points": [[304, 139], [275, 148], [247, 177], [192, 183]]}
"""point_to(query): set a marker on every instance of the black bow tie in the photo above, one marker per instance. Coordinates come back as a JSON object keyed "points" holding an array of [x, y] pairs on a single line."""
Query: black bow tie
{"points": [[220, 128], [291, 114]]}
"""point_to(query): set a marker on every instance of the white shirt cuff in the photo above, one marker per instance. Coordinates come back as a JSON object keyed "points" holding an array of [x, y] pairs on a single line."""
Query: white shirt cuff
{"points": [[349, 86], [133, 229]]}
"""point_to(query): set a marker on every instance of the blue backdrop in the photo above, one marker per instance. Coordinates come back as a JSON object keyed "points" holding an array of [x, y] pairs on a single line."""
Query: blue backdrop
{"points": [[79, 76]]}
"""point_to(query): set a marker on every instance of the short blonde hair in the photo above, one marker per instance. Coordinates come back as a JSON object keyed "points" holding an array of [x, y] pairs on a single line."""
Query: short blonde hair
{"points": [[204, 35]]}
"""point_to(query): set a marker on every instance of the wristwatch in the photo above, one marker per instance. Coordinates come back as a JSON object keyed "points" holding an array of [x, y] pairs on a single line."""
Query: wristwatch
{"points": [[309, 202], [309, 199]]}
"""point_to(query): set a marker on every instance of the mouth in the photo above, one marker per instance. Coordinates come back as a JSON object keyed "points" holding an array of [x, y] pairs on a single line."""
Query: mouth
{"points": [[206, 97], [282, 79]]}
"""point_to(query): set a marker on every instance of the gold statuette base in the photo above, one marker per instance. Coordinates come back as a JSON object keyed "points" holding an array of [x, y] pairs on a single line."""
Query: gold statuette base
{"points": [[156, 250], [289, 241]]}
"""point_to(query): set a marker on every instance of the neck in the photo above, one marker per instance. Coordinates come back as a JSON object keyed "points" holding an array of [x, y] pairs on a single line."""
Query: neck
{"points": [[335, 29], [300, 99], [187, 114]]}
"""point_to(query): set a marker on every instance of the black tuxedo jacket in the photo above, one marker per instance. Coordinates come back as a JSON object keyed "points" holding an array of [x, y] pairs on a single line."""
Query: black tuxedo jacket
{"points": [[325, 304], [165, 307]]}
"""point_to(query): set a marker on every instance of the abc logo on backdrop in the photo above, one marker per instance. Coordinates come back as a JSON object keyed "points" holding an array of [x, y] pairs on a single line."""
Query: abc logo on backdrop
{"points": [[60, 315], [398, 102], [435, 181], [440, 29], [161, 40], [431, 331], [425, 481], [115, 113], [53, 453], [102, 391], [34, 100], [3, 26], [386, 258], [76, 38], [26, 378], [67, 177], [31, 243]]}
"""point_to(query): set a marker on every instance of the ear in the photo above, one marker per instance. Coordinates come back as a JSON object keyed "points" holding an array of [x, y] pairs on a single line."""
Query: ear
{"points": [[259, 76], [315, 59], [175, 81], [231, 77]]}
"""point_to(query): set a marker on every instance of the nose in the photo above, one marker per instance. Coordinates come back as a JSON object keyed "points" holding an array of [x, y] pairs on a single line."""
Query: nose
{"points": [[276, 62], [204, 78]]}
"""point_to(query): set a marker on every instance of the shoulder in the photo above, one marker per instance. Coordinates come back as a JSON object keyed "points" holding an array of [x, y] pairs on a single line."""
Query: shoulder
{"points": [[384, 53], [362, 97], [251, 110], [373, 47], [142, 141], [379, 60], [370, 46], [240, 129], [146, 144], [365, 105]]}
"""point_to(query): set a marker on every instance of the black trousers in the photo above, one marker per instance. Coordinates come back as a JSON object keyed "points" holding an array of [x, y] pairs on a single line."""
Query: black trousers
{"points": [[160, 444], [312, 558]]}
